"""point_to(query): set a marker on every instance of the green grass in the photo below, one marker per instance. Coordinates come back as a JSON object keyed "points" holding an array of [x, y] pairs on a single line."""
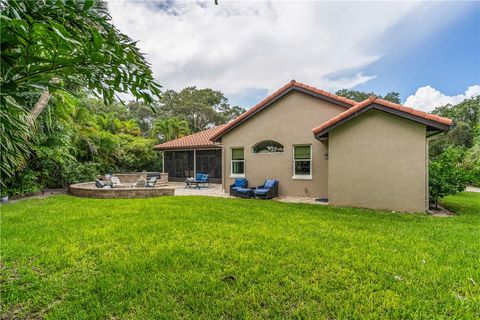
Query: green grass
{"points": [[197, 257]]}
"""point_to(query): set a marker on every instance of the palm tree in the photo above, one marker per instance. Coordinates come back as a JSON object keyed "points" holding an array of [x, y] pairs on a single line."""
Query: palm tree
{"points": [[170, 128], [106, 121], [131, 127]]}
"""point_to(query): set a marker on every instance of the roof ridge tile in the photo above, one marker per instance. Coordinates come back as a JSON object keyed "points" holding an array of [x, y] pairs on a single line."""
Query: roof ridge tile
{"points": [[264, 102], [385, 103]]}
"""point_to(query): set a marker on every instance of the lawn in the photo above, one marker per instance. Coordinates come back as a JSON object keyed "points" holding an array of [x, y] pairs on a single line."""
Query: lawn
{"points": [[198, 257]]}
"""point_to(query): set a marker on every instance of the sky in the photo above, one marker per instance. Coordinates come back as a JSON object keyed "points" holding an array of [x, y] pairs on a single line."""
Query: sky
{"points": [[429, 52]]}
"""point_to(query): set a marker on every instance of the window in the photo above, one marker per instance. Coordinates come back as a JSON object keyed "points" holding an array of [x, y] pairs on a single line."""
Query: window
{"points": [[238, 162], [302, 162], [267, 146]]}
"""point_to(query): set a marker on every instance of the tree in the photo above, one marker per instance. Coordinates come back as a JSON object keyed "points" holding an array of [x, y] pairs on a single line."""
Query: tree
{"points": [[69, 146], [446, 175], [106, 121], [169, 129], [466, 118], [131, 127], [201, 108], [143, 114], [61, 45], [463, 136], [359, 96]]}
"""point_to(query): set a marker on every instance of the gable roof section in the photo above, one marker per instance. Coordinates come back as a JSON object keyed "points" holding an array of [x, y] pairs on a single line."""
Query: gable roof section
{"points": [[433, 122], [292, 85], [199, 140]]}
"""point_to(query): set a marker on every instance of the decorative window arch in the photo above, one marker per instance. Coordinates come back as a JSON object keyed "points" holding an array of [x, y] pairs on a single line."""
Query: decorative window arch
{"points": [[267, 146]]}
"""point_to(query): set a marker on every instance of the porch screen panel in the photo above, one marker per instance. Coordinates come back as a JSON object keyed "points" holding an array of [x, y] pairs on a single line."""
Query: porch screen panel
{"points": [[209, 162], [179, 164]]}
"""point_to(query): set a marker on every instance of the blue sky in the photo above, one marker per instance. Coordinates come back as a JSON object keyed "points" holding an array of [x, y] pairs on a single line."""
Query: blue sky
{"points": [[448, 59], [429, 52]]}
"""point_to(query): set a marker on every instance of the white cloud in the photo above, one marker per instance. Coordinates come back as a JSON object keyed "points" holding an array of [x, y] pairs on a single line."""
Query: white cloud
{"points": [[428, 98], [240, 46]]}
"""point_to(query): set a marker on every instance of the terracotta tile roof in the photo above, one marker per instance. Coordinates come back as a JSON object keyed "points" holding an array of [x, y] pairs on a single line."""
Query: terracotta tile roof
{"points": [[347, 103], [324, 127], [197, 140]]}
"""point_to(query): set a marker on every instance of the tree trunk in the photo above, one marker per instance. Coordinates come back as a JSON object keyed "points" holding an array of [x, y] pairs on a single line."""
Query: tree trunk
{"points": [[40, 105]]}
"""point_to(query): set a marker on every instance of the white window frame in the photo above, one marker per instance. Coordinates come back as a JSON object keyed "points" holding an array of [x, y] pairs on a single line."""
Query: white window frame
{"points": [[237, 175], [302, 176]]}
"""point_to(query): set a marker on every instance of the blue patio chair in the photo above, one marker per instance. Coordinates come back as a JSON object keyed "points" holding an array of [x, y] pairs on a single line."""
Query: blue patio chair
{"points": [[239, 183], [201, 179], [268, 190]]}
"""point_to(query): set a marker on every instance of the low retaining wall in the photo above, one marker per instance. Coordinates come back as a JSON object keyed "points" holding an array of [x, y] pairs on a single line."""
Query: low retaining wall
{"points": [[89, 190], [133, 177]]}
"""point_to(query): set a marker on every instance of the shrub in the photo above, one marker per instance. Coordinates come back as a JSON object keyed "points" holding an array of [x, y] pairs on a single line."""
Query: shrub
{"points": [[471, 163], [80, 172], [446, 174], [23, 183], [137, 154]]}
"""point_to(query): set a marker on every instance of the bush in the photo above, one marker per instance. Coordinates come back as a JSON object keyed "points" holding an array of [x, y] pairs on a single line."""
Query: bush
{"points": [[137, 154], [471, 163], [80, 172], [23, 183], [446, 174]]}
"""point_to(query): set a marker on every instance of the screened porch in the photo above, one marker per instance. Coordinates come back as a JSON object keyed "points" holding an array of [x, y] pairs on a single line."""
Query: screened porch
{"points": [[182, 164]]}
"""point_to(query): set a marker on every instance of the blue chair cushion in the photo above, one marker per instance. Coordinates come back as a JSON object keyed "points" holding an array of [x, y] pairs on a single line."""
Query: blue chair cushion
{"points": [[201, 177], [236, 188], [240, 183], [243, 190], [261, 190], [269, 184]]}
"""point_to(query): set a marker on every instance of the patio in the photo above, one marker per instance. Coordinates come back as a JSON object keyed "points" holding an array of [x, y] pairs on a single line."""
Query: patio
{"points": [[215, 190]]}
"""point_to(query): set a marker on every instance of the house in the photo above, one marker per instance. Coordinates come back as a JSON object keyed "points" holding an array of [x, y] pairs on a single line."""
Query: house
{"points": [[184, 157], [372, 154]]}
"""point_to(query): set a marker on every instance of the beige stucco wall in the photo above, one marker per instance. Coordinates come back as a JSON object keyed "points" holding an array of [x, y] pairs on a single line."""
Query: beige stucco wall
{"points": [[288, 121], [378, 161]]}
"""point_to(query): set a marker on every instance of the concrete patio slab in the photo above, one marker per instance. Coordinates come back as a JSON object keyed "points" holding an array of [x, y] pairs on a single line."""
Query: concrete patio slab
{"points": [[215, 190]]}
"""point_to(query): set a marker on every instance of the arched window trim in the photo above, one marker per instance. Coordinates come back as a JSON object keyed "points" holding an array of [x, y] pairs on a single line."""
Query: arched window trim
{"points": [[273, 143]]}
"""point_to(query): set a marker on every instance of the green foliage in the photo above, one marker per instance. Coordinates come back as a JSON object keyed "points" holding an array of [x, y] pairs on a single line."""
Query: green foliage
{"points": [[465, 135], [61, 45], [79, 172], [446, 174], [201, 108], [170, 128], [72, 41], [137, 154], [212, 258], [471, 163], [74, 144], [466, 130], [23, 183], [359, 96], [14, 134]]}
